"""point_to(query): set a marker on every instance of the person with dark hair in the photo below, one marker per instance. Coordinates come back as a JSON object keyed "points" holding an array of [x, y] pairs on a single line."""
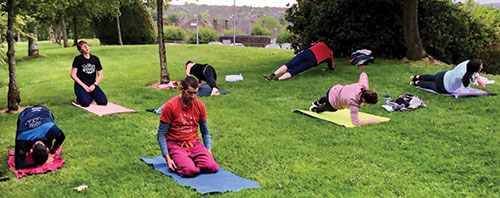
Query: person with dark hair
{"points": [[84, 69], [457, 80], [35, 135], [316, 54], [204, 72], [343, 96], [177, 133]]}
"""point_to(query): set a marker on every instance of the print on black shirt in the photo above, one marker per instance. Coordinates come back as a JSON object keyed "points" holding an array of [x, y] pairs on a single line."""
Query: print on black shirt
{"points": [[87, 68]]}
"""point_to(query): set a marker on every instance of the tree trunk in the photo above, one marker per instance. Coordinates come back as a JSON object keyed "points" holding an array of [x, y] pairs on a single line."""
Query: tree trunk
{"points": [[52, 34], [32, 40], [414, 47], [165, 77], [13, 95], [118, 29], [75, 32], [62, 24]]}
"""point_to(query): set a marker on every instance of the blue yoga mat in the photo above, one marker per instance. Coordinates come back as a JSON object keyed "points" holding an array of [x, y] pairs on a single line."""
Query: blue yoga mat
{"points": [[221, 181], [205, 90]]}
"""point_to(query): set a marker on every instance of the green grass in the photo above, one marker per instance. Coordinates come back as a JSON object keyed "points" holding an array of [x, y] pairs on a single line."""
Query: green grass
{"points": [[451, 148]]}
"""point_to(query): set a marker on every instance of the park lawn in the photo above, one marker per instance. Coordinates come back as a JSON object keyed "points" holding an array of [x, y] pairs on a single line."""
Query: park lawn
{"points": [[451, 148]]}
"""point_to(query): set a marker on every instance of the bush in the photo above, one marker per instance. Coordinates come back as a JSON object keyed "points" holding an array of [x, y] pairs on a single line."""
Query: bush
{"points": [[205, 35], [448, 31], [491, 60], [260, 31], [285, 37], [238, 32], [136, 26], [174, 33]]}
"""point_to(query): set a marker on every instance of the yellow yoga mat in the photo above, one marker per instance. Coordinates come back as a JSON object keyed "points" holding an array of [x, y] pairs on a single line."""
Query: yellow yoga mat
{"points": [[340, 117]]}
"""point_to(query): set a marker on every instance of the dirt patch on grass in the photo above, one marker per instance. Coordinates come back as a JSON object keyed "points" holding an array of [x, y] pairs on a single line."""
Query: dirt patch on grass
{"points": [[153, 85], [4, 111]]}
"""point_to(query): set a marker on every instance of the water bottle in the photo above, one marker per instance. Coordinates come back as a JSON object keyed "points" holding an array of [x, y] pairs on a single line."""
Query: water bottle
{"points": [[387, 97]]}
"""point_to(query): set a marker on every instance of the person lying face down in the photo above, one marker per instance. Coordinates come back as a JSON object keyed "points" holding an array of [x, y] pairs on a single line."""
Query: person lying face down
{"points": [[35, 135], [204, 72], [316, 54], [456, 80], [177, 133], [352, 96]]}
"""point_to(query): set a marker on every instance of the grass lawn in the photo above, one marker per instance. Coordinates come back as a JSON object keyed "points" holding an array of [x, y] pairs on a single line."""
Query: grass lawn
{"points": [[451, 148]]}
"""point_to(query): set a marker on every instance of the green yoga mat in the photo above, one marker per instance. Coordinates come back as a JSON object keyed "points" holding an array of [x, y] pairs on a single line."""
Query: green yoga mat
{"points": [[340, 117]]}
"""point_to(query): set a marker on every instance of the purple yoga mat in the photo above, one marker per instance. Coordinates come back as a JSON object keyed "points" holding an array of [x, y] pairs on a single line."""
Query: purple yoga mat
{"points": [[472, 92]]}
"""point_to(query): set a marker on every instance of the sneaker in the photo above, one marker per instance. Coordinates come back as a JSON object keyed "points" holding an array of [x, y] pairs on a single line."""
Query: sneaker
{"points": [[269, 77], [414, 83], [312, 108], [413, 78], [315, 103], [150, 110]]}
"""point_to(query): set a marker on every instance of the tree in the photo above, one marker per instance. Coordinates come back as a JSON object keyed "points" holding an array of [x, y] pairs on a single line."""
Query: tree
{"points": [[13, 95], [164, 76], [414, 47], [173, 18]]}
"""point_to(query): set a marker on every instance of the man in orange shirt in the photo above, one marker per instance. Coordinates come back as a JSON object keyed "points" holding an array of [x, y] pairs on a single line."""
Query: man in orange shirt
{"points": [[177, 134]]}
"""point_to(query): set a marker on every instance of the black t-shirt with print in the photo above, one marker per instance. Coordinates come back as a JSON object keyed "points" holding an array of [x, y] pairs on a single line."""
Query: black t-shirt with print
{"points": [[87, 68]]}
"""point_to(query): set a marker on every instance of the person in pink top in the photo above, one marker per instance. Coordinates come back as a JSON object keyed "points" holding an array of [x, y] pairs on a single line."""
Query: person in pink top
{"points": [[316, 54], [352, 96]]}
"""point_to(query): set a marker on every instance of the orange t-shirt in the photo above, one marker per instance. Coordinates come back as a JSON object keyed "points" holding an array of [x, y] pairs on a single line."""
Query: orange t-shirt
{"points": [[183, 120]]}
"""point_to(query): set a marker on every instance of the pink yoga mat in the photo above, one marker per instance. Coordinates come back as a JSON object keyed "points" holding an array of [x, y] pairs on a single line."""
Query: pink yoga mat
{"points": [[104, 110], [56, 164]]}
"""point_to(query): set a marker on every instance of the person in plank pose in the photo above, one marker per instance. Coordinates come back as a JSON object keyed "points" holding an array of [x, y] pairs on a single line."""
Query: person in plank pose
{"points": [[316, 54]]}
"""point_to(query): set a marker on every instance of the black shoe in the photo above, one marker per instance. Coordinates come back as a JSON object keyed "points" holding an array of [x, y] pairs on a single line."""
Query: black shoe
{"points": [[414, 78], [269, 77], [150, 110]]}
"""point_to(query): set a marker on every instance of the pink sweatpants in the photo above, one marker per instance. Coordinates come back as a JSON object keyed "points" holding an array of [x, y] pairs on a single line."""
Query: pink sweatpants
{"points": [[194, 162]]}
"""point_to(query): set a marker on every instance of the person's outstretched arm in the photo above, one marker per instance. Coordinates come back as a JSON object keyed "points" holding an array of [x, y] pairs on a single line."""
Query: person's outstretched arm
{"points": [[205, 134], [363, 79], [355, 119], [188, 69]]}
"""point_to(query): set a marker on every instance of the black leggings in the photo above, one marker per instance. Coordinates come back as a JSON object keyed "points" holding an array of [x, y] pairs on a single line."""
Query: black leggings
{"points": [[434, 82], [210, 76], [324, 105]]}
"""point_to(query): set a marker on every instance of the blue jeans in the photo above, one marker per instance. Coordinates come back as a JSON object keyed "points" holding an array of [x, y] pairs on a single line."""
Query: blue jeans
{"points": [[85, 98], [301, 62]]}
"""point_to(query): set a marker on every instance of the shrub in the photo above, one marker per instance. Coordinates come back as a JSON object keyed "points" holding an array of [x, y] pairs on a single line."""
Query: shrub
{"points": [[238, 32], [260, 31], [448, 31], [136, 26], [491, 60], [205, 35], [174, 33], [285, 37]]}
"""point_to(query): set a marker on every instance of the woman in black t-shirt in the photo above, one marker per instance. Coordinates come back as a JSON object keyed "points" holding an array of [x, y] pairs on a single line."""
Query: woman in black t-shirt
{"points": [[85, 67]]}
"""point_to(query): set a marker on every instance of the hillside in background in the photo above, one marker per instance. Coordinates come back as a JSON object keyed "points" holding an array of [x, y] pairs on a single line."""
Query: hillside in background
{"points": [[223, 15]]}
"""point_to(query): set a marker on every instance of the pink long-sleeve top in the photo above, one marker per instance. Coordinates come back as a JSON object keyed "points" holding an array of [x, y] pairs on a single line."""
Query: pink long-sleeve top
{"points": [[343, 96]]}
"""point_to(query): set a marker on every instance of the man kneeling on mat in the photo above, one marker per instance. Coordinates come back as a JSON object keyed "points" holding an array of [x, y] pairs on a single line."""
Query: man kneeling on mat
{"points": [[343, 96], [203, 72], [177, 133], [34, 136]]}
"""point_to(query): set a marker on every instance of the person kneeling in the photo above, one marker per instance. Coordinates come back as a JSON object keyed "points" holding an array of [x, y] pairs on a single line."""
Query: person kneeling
{"points": [[34, 136], [177, 133]]}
